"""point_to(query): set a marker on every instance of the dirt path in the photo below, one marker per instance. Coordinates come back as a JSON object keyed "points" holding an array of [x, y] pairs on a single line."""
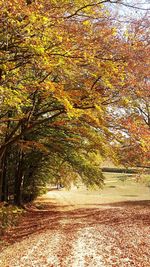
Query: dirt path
{"points": [[71, 229]]}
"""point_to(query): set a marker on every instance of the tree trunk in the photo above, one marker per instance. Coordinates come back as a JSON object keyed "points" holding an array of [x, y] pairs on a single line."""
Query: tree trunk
{"points": [[4, 180], [3, 165], [2, 177], [3, 168], [19, 180]]}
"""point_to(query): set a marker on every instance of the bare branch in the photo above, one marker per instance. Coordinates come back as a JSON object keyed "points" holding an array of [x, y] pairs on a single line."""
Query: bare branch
{"points": [[95, 82]]}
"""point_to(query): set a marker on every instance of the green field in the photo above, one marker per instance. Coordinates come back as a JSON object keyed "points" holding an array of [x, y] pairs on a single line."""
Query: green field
{"points": [[117, 188], [124, 187]]}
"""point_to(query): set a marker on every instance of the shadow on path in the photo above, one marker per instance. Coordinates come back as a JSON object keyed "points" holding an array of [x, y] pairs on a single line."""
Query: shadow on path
{"points": [[46, 216]]}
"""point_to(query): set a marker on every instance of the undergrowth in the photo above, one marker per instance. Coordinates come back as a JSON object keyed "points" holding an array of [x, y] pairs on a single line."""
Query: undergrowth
{"points": [[9, 217]]}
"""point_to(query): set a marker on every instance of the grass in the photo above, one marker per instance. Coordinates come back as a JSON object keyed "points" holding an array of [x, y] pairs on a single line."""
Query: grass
{"points": [[124, 187], [118, 187]]}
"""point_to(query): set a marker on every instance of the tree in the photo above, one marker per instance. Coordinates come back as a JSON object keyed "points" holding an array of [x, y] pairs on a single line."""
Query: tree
{"points": [[134, 115], [62, 67]]}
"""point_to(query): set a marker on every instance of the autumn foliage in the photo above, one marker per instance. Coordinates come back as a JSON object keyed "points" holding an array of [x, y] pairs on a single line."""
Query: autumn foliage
{"points": [[70, 85]]}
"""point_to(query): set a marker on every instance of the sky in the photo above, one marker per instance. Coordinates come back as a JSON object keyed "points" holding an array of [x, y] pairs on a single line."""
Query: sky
{"points": [[130, 10], [134, 8], [131, 7]]}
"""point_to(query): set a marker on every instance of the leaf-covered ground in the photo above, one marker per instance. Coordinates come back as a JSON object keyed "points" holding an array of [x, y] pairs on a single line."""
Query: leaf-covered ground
{"points": [[68, 235]]}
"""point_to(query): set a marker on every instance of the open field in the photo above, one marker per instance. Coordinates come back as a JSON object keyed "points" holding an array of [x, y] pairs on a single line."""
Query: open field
{"points": [[125, 187], [117, 188]]}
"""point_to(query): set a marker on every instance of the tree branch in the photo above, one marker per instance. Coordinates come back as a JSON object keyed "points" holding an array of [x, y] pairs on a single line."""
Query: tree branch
{"points": [[84, 7]]}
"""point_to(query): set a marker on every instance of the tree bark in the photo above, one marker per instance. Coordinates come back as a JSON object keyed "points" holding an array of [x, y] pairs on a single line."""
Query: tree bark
{"points": [[3, 168], [19, 180], [4, 180]]}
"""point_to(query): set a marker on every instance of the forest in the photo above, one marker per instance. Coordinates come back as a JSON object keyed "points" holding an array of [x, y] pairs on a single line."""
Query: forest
{"points": [[74, 91]]}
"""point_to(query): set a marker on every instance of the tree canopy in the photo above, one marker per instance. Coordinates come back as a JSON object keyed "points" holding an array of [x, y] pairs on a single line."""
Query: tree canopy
{"points": [[71, 86]]}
